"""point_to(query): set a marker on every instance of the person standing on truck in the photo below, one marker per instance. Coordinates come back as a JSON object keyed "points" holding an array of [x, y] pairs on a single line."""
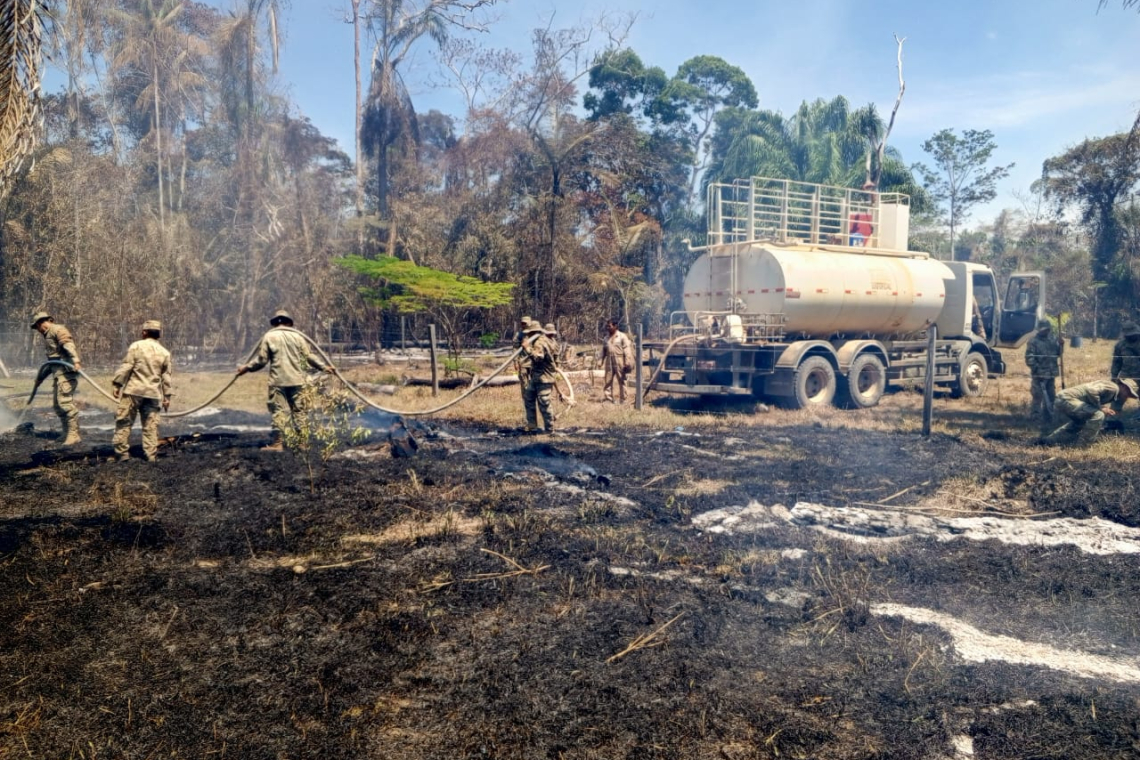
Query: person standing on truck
{"points": [[1043, 357], [60, 347], [142, 388], [1085, 407], [617, 359], [286, 351], [860, 224]]}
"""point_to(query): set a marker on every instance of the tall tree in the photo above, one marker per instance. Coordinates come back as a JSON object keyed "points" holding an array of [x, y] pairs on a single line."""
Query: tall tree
{"points": [[961, 179], [1094, 176], [389, 117], [703, 86]]}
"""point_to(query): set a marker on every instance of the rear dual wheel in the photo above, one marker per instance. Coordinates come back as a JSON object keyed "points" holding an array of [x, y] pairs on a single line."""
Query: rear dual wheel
{"points": [[865, 382]]}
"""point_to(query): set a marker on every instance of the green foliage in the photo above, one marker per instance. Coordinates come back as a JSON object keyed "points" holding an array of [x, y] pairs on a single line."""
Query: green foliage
{"points": [[488, 340], [328, 425], [409, 288], [961, 178]]}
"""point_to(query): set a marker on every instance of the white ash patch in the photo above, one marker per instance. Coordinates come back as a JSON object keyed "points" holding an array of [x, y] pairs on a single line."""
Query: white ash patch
{"points": [[974, 645], [1092, 535]]}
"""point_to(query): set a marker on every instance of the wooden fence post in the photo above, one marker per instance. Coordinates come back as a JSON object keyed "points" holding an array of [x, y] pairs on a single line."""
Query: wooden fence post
{"points": [[434, 371]]}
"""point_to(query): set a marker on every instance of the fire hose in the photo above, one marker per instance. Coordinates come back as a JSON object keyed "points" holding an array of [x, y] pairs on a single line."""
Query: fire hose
{"points": [[45, 372]]}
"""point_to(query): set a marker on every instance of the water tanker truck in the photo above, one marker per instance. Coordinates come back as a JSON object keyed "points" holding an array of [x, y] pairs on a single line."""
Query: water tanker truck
{"points": [[806, 295]]}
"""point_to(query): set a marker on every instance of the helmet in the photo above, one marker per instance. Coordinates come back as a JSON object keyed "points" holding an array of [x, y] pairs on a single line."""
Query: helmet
{"points": [[1130, 328], [38, 317], [152, 324], [279, 317], [549, 329], [1044, 324]]}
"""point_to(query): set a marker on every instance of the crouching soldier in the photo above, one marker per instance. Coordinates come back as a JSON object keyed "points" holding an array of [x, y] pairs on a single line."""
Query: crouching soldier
{"points": [[1084, 406], [142, 387], [286, 351], [1042, 356]]}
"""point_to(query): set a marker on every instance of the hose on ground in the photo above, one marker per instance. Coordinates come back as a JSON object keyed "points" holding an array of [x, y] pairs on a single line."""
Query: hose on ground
{"points": [[424, 412], [45, 372]]}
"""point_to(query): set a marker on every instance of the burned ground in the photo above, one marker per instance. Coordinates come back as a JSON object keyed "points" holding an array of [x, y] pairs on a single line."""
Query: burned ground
{"points": [[513, 597]]}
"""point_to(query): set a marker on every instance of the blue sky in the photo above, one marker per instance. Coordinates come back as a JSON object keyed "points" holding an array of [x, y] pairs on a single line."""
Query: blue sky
{"points": [[1041, 74]]}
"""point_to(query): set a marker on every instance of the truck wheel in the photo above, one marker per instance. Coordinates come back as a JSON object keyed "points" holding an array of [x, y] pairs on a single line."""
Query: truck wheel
{"points": [[972, 382], [865, 382], [813, 383]]}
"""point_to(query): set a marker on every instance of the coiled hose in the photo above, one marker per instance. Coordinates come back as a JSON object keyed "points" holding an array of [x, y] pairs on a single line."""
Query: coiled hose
{"points": [[45, 372]]}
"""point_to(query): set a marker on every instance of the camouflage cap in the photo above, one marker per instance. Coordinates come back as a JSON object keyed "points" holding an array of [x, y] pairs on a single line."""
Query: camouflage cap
{"points": [[280, 316], [1043, 324], [524, 320], [1130, 385], [1130, 328], [38, 317], [548, 328], [152, 324]]}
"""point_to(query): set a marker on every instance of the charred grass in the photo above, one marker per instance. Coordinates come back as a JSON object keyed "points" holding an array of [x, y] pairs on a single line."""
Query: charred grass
{"points": [[447, 606]]}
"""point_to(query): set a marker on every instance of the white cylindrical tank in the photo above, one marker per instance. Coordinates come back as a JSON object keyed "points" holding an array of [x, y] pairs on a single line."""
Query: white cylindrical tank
{"points": [[820, 292]]}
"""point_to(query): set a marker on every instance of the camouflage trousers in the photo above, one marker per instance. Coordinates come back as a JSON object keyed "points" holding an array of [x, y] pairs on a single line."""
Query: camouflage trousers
{"points": [[287, 407], [538, 395], [63, 398], [1085, 421], [1042, 396], [130, 407]]}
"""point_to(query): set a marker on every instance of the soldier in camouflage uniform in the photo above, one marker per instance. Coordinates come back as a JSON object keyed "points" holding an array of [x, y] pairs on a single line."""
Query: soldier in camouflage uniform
{"points": [[543, 375], [287, 353], [1126, 358], [1043, 355], [142, 386], [60, 346], [522, 363], [1084, 407]]}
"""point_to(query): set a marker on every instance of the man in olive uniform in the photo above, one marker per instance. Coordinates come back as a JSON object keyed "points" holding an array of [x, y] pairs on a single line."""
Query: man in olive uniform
{"points": [[543, 374], [142, 386], [287, 353], [617, 360], [1126, 357], [60, 346], [1084, 405], [1043, 355]]}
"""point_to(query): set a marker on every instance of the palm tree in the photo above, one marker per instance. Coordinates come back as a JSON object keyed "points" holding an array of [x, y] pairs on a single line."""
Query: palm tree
{"points": [[389, 115], [153, 44], [21, 35], [823, 142]]}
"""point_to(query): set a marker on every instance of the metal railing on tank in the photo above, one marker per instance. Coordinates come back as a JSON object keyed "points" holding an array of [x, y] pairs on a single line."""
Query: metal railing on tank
{"points": [[762, 208]]}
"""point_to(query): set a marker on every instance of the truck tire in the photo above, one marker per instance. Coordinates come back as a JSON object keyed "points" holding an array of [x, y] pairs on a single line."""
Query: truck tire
{"points": [[813, 383], [971, 383], [865, 382]]}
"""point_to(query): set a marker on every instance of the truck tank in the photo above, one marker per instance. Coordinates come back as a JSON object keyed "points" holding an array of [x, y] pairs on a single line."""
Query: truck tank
{"points": [[820, 292]]}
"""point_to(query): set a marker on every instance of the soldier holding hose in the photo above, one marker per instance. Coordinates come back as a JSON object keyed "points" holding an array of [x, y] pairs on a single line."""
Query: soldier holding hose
{"points": [[142, 387], [286, 351], [60, 346]]}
